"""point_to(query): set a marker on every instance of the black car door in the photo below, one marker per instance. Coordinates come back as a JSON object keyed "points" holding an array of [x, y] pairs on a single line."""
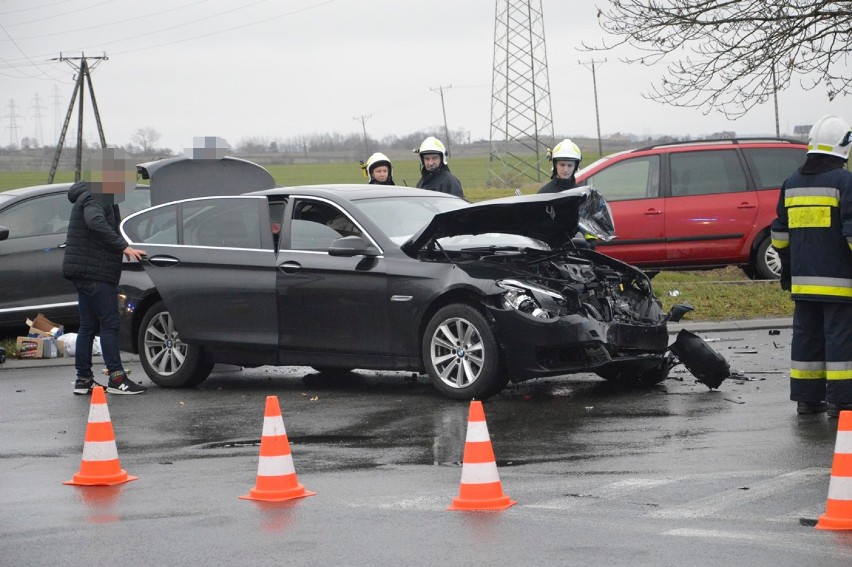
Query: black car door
{"points": [[212, 261], [328, 303], [31, 259]]}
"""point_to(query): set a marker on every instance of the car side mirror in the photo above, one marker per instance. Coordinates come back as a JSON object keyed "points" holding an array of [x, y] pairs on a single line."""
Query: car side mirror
{"points": [[4, 233], [349, 246]]}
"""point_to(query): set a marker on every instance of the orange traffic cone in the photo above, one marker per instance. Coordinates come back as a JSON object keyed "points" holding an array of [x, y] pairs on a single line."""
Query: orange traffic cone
{"points": [[838, 510], [276, 475], [100, 466], [480, 484]]}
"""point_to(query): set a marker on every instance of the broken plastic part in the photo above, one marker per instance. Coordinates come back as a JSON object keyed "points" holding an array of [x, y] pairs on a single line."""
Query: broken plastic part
{"points": [[700, 359]]}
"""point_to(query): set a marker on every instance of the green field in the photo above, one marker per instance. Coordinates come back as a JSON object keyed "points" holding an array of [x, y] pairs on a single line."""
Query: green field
{"points": [[471, 171]]}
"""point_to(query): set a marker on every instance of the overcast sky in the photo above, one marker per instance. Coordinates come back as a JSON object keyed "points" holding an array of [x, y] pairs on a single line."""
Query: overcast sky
{"points": [[276, 70]]}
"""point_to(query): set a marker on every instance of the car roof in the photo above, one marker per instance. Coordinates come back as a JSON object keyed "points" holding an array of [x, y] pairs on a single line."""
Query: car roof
{"points": [[37, 190], [353, 192]]}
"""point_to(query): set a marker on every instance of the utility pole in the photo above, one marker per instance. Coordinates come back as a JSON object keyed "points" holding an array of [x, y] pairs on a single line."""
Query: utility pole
{"points": [[440, 90], [83, 69], [775, 96], [363, 120], [36, 108], [13, 125], [591, 65]]}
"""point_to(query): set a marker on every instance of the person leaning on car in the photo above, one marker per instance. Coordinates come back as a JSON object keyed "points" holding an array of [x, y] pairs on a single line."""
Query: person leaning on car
{"points": [[92, 261], [565, 161], [813, 237], [435, 174], [378, 169]]}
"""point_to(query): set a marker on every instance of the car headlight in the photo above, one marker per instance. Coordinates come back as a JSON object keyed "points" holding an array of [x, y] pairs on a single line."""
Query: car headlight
{"points": [[520, 298]]}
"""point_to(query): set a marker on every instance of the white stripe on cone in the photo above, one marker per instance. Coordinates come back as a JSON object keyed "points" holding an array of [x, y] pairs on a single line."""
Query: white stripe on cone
{"points": [[844, 442], [98, 413], [840, 488], [479, 473], [477, 431], [275, 466], [100, 451], [273, 426]]}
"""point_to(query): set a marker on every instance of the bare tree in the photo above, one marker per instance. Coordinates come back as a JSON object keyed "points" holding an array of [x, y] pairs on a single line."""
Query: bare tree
{"points": [[146, 138], [730, 55]]}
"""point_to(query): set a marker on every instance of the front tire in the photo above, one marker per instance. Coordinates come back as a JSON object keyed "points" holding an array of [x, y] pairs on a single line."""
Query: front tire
{"points": [[168, 361], [461, 354], [767, 262]]}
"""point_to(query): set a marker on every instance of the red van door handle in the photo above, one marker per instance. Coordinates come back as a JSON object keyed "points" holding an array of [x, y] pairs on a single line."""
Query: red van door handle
{"points": [[653, 212], [746, 205]]}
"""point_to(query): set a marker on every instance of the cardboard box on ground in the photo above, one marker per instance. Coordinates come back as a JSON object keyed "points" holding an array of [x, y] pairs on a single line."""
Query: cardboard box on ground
{"points": [[40, 341]]}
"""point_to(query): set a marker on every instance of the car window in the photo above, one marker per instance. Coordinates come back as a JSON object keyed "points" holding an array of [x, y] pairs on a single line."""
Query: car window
{"points": [[48, 214], [706, 172], [157, 226], [634, 178], [771, 166], [316, 224], [226, 223], [401, 217]]}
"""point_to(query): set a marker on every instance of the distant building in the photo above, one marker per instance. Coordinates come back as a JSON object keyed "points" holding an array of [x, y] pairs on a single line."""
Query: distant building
{"points": [[725, 135], [802, 131]]}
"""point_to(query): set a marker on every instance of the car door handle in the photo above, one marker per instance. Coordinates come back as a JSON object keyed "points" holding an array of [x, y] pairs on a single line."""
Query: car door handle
{"points": [[746, 205], [163, 261], [653, 212], [290, 267]]}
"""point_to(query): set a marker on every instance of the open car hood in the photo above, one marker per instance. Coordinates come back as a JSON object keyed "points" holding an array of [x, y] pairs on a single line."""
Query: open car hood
{"points": [[553, 218]]}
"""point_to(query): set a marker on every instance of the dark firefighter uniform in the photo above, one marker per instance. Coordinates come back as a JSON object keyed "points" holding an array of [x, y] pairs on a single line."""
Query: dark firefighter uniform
{"points": [[813, 235]]}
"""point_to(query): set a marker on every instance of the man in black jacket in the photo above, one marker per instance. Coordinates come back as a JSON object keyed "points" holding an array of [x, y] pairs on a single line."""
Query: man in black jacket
{"points": [[93, 254], [813, 237], [434, 173]]}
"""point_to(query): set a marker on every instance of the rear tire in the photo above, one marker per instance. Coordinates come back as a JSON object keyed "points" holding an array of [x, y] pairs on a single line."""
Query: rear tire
{"points": [[767, 263], [461, 354], [168, 361]]}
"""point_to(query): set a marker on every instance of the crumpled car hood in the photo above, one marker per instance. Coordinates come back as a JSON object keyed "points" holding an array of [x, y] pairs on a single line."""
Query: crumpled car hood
{"points": [[553, 218]]}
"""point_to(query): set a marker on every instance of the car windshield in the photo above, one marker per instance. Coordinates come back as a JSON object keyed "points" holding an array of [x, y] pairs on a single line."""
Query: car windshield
{"points": [[400, 217]]}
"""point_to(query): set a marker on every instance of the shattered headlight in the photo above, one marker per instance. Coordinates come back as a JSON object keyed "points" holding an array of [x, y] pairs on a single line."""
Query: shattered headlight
{"points": [[529, 299]]}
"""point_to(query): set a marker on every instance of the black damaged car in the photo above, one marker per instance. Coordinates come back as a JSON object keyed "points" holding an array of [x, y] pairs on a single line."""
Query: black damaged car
{"points": [[343, 277]]}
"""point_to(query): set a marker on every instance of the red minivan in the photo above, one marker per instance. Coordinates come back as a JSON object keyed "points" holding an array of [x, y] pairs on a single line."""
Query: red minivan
{"points": [[695, 205]]}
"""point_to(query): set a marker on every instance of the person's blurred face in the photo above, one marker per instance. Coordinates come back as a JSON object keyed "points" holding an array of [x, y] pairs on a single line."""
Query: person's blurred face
{"points": [[431, 161], [110, 172], [381, 173], [565, 168]]}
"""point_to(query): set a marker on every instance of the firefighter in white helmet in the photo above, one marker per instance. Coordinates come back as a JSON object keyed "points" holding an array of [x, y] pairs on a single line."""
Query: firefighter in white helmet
{"points": [[565, 160], [813, 237], [378, 169], [435, 175]]}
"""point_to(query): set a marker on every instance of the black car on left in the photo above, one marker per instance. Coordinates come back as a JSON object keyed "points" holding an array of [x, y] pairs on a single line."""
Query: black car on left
{"points": [[344, 277]]}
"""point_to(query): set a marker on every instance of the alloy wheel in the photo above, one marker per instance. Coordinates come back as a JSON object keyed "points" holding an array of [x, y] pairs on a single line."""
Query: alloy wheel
{"points": [[164, 350], [457, 352]]}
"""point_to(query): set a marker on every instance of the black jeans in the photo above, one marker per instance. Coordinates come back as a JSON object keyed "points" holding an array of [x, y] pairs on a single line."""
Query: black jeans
{"points": [[98, 306]]}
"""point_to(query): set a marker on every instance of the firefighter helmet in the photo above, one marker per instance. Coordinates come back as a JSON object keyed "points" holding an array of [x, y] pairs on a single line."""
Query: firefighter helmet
{"points": [[831, 135], [376, 160], [433, 145], [564, 150]]}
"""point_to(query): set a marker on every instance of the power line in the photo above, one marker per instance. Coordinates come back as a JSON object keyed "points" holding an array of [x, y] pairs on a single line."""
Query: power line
{"points": [[36, 108], [13, 124]]}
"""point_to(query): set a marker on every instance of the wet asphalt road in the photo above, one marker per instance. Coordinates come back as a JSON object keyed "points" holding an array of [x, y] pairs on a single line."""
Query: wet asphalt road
{"points": [[669, 475]]}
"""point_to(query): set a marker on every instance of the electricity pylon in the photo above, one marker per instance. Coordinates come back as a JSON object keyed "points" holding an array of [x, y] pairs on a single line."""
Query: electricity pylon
{"points": [[521, 117], [81, 65]]}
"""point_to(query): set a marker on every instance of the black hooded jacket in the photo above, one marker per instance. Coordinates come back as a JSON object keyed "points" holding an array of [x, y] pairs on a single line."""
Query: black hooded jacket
{"points": [[440, 180], [93, 249]]}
